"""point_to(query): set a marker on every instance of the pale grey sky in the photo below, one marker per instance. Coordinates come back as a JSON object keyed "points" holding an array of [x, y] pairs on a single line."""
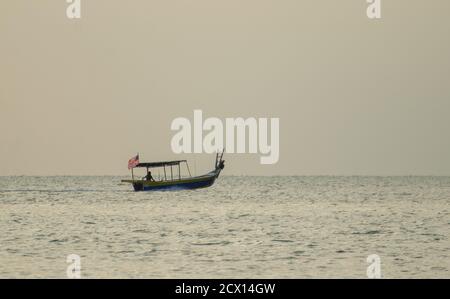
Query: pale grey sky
{"points": [[354, 96]]}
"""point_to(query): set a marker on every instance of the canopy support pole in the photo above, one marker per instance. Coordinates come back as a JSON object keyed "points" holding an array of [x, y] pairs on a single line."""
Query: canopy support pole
{"points": [[187, 164]]}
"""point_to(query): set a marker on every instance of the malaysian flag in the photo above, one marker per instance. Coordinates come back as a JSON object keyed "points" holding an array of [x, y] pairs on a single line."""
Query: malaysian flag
{"points": [[133, 162]]}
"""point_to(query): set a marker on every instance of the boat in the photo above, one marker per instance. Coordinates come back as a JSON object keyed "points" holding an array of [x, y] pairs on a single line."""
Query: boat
{"points": [[175, 181]]}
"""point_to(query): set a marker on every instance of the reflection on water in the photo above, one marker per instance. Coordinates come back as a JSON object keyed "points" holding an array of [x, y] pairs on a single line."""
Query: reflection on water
{"points": [[242, 227]]}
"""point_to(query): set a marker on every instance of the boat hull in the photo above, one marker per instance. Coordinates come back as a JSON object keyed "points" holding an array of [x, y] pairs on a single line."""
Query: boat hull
{"points": [[183, 184]]}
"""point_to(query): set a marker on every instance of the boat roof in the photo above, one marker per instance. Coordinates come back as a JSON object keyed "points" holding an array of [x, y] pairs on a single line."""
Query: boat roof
{"points": [[159, 164]]}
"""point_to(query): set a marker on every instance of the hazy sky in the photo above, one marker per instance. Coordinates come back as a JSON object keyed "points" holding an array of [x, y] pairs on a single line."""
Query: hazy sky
{"points": [[354, 96]]}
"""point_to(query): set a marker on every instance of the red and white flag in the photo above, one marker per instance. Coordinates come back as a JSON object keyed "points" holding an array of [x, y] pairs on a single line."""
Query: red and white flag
{"points": [[133, 162]]}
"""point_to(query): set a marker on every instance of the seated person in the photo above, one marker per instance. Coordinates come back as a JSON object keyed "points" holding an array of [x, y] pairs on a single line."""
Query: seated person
{"points": [[149, 177]]}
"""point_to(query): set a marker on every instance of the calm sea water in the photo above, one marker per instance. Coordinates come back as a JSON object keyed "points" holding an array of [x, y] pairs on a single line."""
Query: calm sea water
{"points": [[242, 227]]}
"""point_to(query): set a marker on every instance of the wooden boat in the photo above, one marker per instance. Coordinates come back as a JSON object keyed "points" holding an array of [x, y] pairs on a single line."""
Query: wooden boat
{"points": [[176, 182]]}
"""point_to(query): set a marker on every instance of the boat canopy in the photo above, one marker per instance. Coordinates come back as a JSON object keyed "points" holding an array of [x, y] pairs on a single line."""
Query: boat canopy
{"points": [[160, 164]]}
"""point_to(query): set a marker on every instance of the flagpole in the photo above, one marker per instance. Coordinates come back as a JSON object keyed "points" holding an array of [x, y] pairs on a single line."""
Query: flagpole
{"points": [[133, 165], [132, 173]]}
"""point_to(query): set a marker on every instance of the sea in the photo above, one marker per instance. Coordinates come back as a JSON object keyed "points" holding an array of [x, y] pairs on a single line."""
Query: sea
{"points": [[242, 227]]}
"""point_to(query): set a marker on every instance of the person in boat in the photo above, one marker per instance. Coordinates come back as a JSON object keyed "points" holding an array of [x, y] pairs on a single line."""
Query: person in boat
{"points": [[149, 176]]}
